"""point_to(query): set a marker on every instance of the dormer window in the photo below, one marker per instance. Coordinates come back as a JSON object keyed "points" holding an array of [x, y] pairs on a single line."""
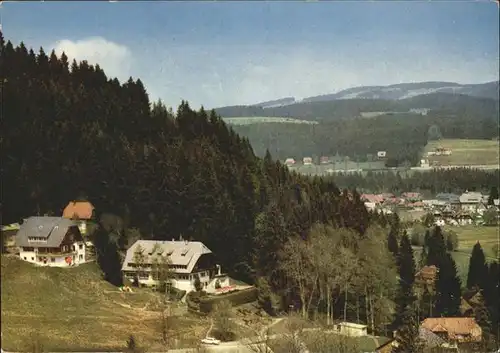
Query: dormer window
{"points": [[37, 240]]}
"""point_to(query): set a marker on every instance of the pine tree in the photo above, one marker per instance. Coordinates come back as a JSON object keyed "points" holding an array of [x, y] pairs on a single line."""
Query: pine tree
{"points": [[407, 336], [405, 297], [392, 242], [493, 195], [423, 257], [436, 247], [482, 317], [477, 268], [448, 289]]}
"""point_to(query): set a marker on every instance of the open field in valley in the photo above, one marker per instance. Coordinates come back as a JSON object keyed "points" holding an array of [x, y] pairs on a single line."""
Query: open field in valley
{"points": [[468, 236], [72, 309], [465, 152]]}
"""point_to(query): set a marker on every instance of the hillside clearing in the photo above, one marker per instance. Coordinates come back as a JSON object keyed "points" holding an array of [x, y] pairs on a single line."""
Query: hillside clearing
{"points": [[265, 119], [465, 152], [71, 309]]}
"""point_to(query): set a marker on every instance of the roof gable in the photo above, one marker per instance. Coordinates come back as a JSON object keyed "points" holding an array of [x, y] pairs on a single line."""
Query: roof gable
{"points": [[180, 253], [78, 209], [53, 229], [451, 325]]}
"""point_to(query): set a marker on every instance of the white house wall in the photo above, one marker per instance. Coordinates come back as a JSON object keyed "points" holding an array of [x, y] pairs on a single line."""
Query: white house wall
{"points": [[185, 284], [59, 261]]}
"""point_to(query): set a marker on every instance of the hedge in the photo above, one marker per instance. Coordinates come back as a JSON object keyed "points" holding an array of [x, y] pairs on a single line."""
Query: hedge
{"points": [[240, 297], [176, 293]]}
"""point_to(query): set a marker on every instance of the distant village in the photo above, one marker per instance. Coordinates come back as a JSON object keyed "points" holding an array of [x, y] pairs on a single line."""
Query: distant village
{"points": [[327, 165], [447, 209]]}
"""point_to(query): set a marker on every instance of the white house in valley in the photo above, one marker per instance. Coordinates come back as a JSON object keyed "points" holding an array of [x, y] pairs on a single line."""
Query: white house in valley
{"points": [[186, 261], [50, 241]]}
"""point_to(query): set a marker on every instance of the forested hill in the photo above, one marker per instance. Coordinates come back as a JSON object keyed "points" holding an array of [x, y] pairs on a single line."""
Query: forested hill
{"points": [[69, 131], [328, 110]]}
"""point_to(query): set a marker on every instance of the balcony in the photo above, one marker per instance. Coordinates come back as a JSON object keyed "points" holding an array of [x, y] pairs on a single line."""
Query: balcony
{"points": [[55, 253]]}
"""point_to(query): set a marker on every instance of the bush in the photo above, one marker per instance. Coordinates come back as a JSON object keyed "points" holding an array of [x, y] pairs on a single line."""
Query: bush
{"points": [[197, 283], [132, 346], [236, 298], [266, 298], [175, 294], [193, 299], [417, 237], [222, 315], [494, 250], [451, 239]]}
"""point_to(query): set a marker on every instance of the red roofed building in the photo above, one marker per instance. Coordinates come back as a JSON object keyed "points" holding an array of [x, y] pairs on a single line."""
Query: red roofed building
{"points": [[454, 329], [81, 211]]}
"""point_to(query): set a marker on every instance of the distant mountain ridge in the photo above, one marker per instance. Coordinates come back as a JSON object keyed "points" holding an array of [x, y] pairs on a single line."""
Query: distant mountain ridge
{"points": [[353, 102], [408, 90], [276, 103], [395, 92]]}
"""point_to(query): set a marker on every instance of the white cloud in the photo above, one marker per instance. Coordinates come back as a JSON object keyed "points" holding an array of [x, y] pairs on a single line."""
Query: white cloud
{"points": [[115, 59]]}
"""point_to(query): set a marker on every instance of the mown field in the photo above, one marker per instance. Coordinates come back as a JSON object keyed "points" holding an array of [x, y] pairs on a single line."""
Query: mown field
{"points": [[488, 237], [467, 237], [465, 152], [75, 310]]}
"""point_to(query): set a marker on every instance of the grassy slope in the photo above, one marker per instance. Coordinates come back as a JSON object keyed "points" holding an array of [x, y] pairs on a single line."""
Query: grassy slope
{"points": [[74, 309], [465, 152]]}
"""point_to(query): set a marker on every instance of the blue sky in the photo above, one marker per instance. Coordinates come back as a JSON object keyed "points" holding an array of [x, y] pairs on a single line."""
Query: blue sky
{"points": [[228, 53]]}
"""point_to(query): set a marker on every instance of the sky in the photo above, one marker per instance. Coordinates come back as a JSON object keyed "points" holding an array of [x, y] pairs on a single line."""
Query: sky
{"points": [[237, 53]]}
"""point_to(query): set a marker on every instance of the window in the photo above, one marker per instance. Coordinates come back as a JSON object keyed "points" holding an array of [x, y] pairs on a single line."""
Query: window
{"points": [[37, 240], [80, 257], [25, 258], [143, 275], [32, 259], [80, 246], [52, 260]]}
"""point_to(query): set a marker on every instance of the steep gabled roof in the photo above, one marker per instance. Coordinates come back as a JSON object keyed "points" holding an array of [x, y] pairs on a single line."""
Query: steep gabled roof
{"points": [[451, 325], [430, 338], [51, 228], [180, 253]]}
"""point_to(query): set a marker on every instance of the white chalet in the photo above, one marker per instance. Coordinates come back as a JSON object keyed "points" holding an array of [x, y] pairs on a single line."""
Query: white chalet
{"points": [[186, 260], [50, 241], [471, 201]]}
